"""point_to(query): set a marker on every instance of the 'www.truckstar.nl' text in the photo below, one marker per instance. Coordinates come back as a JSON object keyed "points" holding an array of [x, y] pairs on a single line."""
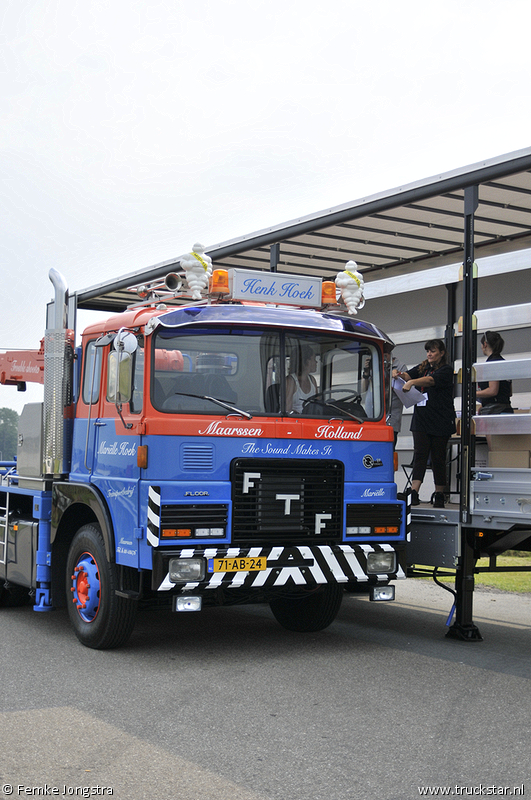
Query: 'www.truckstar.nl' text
{"points": [[472, 791]]}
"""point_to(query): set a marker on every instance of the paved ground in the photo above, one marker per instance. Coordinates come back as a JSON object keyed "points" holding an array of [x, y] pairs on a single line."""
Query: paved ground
{"points": [[226, 704]]}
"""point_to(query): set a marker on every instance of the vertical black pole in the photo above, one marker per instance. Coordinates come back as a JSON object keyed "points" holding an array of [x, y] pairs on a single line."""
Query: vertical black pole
{"points": [[274, 256], [449, 340], [469, 354], [463, 627]]}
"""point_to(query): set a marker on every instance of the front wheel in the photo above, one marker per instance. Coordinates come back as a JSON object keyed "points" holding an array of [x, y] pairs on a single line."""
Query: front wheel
{"points": [[100, 618], [309, 612]]}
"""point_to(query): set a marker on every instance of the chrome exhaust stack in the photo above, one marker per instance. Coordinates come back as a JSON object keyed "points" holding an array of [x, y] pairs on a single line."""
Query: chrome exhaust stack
{"points": [[58, 363]]}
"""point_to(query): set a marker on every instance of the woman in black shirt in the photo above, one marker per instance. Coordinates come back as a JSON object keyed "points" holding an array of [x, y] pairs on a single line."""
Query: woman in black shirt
{"points": [[494, 396], [433, 418]]}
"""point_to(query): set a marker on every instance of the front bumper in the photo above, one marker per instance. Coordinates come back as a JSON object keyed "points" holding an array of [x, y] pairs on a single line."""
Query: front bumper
{"points": [[295, 566]]}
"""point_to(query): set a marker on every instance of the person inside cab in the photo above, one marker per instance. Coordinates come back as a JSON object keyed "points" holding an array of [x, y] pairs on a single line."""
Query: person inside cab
{"points": [[301, 384]]}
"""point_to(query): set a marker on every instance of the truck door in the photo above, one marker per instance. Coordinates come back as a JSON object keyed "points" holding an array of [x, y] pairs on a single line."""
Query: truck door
{"points": [[117, 437]]}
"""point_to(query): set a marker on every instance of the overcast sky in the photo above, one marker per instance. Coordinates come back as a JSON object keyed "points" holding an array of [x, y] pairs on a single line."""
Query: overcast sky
{"points": [[130, 130]]}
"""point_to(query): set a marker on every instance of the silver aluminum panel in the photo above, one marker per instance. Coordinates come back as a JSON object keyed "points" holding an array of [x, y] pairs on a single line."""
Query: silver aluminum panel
{"points": [[503, 423], [504, 316], [501, 497], [503, 370], [29, 450]]}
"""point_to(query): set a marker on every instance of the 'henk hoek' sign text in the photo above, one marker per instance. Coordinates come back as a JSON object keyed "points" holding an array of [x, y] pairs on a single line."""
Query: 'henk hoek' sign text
{"points": [[290, 290]]}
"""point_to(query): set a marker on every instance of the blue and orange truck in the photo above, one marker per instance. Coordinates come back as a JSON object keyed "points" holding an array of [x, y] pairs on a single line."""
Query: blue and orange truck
{"points": [[166, 466]]}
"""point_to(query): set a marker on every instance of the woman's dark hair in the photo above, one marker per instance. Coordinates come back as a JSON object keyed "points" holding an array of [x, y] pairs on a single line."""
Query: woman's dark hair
{"points": [[435, 344], [494, 341]]}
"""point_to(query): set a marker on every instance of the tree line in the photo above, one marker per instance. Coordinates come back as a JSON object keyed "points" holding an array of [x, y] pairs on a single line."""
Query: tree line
{"points": [[8, 434]]}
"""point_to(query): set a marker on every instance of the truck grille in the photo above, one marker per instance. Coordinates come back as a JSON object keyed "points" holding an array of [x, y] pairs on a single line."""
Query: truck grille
{"points": [[278, 499]]}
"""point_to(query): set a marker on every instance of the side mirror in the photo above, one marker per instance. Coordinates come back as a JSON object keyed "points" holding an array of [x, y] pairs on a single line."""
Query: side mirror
{"points": [[119, 377], [120, 370], [125, 341]]}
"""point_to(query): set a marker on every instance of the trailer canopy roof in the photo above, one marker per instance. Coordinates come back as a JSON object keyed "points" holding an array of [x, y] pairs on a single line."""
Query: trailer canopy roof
{"points": [[392, 233]]}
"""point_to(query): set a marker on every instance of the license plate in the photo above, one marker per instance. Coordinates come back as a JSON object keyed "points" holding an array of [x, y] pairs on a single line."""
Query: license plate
{"points": [[237, 564]]}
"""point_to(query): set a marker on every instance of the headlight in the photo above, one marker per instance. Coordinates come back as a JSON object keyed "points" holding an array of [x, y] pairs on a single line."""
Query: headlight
{"points": [[186, 569], [381, 562]]}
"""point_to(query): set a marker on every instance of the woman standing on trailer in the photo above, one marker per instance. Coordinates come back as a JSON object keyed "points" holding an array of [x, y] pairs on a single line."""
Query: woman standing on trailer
{"points": [[494, 396], [433, 418]]}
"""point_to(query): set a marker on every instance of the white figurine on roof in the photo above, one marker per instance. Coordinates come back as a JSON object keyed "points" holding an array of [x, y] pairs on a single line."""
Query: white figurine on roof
{"points": [[351, 284], [198, 268]]}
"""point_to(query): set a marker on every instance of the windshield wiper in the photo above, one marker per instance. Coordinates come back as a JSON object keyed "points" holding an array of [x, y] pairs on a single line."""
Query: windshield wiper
{"points": [[219, 402], [344, 411]]}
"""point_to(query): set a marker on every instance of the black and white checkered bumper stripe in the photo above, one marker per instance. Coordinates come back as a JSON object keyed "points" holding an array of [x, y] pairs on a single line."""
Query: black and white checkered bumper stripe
{"points": [[153, 516], [325, 565], [408, 516]]}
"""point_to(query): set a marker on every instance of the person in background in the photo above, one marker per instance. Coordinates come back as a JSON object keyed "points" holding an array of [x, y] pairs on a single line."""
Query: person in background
{"points": [[494, 396], [396, 409], [433, 419], [301, 384]]}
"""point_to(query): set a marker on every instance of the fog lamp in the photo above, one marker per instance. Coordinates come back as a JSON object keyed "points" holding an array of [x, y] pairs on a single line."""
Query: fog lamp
{"points": [[186, 569], [187, 603], [382, 593], [381, 562]]}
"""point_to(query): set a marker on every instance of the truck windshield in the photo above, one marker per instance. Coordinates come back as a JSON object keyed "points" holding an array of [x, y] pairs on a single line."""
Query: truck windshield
{"points": [[265, 373]]}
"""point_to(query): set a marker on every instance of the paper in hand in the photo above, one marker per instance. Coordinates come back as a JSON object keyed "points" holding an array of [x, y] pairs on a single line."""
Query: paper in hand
{"points": [[408, 399]]}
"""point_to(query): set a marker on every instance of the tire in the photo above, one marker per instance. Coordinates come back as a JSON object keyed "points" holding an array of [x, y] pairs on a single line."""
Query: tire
{"points": [[13, 596], [309, 612], [100, 618]]}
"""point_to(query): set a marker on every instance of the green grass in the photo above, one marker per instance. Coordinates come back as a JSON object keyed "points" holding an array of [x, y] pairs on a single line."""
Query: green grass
{"points": [[506, 581]]}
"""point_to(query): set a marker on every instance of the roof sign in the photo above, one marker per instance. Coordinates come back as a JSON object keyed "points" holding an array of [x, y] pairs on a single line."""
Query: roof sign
{"points": [[272, 287]]}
